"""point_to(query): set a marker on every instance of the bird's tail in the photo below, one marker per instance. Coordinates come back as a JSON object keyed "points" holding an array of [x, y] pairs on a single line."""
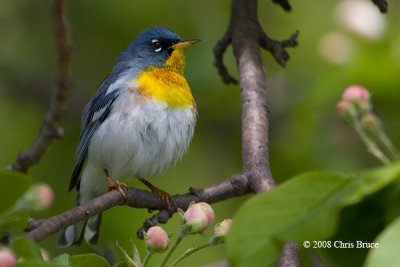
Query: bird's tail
{"points": [[90, 186], [74, 234]]}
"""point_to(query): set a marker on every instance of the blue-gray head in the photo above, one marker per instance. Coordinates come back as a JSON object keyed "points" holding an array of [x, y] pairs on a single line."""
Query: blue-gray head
{"points": [[152, 47]]}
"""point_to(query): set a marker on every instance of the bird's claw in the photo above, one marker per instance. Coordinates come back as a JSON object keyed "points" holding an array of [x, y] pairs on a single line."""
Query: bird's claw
{"points": [[116, 185]]}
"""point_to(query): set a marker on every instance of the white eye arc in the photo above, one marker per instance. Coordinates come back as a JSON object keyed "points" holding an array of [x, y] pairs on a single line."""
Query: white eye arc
{"points": [[156, 45]]}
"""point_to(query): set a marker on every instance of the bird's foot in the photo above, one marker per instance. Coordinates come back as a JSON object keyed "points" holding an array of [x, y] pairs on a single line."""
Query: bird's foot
{"points": [[163, 195], [166, 198], [116, 185]]}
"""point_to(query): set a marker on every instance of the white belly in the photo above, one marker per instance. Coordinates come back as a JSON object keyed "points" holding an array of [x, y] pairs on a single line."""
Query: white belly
{"points": [[142, 140]]}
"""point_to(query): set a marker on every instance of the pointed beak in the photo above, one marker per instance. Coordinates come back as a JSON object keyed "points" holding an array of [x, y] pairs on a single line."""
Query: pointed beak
{"points": [[185, 43]]}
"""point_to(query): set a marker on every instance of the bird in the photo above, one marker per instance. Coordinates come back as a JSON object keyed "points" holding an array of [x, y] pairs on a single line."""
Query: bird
{"points": [[140, 122]]}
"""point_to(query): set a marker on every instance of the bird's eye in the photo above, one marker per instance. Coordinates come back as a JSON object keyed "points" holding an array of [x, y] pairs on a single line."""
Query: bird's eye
{"points": [[156, 45]]}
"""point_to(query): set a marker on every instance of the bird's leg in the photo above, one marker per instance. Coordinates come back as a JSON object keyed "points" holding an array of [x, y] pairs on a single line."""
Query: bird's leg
{"points": [[164, 196], [115, 185]]}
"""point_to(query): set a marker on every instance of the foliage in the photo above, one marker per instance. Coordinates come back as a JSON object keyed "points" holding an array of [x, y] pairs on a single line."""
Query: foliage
{"points": [[389, 242], [311, 213]]}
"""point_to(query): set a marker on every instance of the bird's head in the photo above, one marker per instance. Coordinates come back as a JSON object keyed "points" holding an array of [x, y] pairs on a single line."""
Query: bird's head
{"points": [[157, 46]]}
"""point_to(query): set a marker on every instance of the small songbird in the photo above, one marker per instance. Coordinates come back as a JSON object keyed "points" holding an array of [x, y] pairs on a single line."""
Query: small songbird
{"points": [[139, 123]]}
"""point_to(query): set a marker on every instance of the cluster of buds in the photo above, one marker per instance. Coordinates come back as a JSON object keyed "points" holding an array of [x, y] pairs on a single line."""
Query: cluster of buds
{"points": [[195, 220], [355, 107], [355, 102]]}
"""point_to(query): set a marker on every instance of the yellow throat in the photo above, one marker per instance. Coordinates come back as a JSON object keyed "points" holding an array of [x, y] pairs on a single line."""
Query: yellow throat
{"points": [[167, 83]]}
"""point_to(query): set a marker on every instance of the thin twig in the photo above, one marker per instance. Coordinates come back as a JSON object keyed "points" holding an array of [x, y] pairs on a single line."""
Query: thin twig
{"points": [[278, 48], [219, 51], [50, 129], [171, 250], [189, 252], [284, 4], [382, 5]]}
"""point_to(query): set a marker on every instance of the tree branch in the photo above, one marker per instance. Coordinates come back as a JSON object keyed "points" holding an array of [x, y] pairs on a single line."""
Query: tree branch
{"points": [[245, 41], [289, 255], [236, 185], [50, 129], [247, 36]]}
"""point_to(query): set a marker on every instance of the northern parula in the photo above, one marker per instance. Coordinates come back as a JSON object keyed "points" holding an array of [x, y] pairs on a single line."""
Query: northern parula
{"points": [[139, 123]]}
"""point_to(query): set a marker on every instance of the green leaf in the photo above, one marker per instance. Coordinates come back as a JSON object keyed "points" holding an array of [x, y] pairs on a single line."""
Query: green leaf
{"points": [[26, 249], [85, 260], [371, 181], [63, 260], [13, 221], [13, 186], [387, 252], [304, 208], [128, 260], [136, 254]]}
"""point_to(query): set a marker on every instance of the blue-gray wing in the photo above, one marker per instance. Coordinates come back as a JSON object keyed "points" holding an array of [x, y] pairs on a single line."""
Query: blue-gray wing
{"points": [[95, 112]]}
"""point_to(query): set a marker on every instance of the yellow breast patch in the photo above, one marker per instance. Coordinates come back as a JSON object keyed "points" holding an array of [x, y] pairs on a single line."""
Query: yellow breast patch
{"points": [[165, 84], [176, 60]]}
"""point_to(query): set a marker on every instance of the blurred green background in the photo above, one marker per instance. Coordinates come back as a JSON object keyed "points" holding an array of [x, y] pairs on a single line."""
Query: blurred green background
{"points": [[335, 50]]}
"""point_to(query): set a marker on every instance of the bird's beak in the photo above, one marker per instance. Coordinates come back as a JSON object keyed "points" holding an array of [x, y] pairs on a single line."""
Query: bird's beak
{"points": [[185, 43]]}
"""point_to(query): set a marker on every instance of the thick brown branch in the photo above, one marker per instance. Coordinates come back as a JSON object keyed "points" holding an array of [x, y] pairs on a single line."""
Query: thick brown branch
{"points": [[246, 33], [236, 185], [289, 255], [50, 129]]}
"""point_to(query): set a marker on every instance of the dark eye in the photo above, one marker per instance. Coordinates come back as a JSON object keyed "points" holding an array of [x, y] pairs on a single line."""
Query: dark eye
{"points": [[156, 45]]}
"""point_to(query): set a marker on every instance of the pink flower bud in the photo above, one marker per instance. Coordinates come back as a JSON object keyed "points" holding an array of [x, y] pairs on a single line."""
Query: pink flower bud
{"points": [[156, 239], [220, 231], [45, 196], [198, 217], [7, 258], [355, 93], [359, 95], [38, 197]]}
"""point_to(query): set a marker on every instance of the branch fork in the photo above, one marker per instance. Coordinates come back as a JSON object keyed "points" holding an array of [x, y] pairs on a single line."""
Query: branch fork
{"points": [[275, 47]]}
